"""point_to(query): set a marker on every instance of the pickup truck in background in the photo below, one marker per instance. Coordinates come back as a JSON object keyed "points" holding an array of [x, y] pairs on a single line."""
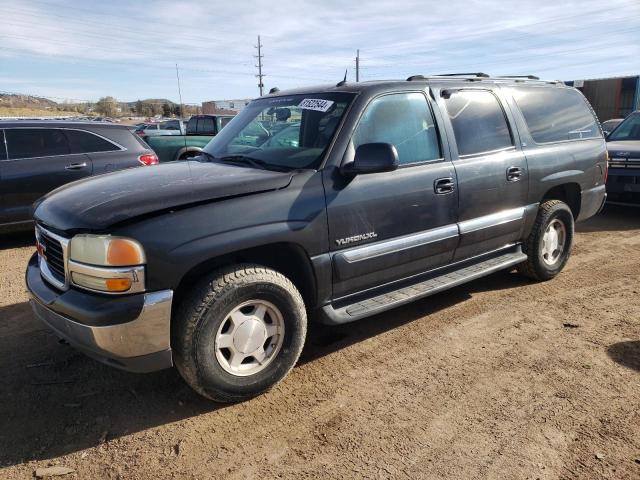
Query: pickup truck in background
{"points": [[200, 130]]}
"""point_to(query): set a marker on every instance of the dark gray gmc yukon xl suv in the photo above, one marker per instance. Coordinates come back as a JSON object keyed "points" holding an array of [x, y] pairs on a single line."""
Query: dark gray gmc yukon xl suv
{"points": [[383, 193]]}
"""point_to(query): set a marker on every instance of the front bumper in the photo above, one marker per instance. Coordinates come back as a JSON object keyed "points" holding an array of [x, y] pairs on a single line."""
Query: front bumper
{"points": [[139, 344], [623, 186]]}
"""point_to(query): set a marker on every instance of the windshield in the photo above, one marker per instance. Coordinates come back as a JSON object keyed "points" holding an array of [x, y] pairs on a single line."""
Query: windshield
{"points": [[286, 132], [629, 129]]}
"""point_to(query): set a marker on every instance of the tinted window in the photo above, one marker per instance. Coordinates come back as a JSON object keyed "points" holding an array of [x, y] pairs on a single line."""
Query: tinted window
{"points": [[3, 148], [192, 125], [85, 142], [36, 142], [404, 120], [205, 126], [478, 122], [556, 114], [224, 121]]}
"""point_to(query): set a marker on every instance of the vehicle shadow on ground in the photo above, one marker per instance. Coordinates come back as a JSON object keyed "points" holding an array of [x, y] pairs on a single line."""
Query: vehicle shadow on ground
{"points": [[16, 240], [55, 401], [626, 354], [612, 218], [323, 340]]}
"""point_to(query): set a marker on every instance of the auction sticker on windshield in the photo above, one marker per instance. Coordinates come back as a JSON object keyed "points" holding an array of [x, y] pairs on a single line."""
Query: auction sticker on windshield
{"points": [[317, 104]]}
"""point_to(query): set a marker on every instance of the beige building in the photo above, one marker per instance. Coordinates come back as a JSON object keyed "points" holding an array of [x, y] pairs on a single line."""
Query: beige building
{"points": [[224, 106]]}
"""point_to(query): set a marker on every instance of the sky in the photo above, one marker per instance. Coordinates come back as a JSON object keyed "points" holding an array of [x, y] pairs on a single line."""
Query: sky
{"points": [[83, 50]]}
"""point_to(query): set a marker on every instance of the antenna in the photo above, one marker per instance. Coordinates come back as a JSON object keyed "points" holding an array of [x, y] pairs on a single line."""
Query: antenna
{"points": [[357, 65], [184, 134], [344, 80], [259, 57]]}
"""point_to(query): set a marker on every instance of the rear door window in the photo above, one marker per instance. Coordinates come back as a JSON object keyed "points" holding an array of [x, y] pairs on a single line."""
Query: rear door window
{"points": [[556, 114], [478, 121], [403, 120], [36, 142], [85, 142]]}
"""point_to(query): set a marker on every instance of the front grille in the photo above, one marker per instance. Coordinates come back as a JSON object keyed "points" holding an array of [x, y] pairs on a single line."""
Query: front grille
{"points": [[53, 255]]}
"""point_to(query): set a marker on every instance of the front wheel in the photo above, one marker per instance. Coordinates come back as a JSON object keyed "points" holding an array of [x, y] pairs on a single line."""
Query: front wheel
{"points": [[549, 244], [239, 332]]}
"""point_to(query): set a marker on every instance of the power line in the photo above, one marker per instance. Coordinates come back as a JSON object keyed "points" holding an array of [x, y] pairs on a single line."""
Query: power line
{"points": [[476, 34]]}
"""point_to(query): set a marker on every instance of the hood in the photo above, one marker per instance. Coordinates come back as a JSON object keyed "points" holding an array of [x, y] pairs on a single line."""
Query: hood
{"points": [[624, 148], [99, 202]]}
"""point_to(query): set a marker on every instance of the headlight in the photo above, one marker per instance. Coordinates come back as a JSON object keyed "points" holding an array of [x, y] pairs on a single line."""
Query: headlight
{"points": [[105, 263], [106, 250]]}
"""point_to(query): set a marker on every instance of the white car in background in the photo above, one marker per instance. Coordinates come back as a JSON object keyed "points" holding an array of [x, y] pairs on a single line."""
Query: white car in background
{"points": [[168, 127]]}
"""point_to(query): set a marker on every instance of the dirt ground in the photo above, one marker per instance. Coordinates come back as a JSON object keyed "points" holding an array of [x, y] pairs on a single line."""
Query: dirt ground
{"points": [[499, 379]]}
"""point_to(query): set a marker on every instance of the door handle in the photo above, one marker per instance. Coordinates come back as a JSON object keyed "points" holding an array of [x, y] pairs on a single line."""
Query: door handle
{"points": [[514, 174], [442, 186], [76, 166]]}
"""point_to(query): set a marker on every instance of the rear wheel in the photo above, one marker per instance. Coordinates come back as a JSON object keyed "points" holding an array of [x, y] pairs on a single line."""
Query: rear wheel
{"points": [[239, 332], [549, 244]]}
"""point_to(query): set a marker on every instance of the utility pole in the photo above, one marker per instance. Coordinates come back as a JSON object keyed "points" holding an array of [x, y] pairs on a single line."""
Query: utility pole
{"points": [[259, 65], [358, 65]]}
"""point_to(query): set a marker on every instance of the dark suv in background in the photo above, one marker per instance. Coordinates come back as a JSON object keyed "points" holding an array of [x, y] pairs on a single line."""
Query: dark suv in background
{"points": [[623, 144], [384, 192], [37, 157]]}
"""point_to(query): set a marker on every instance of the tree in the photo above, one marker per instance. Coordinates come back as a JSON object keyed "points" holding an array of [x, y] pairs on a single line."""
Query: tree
{"points": [[107, 106], [166, 110], [139, 108], [146, 109]]}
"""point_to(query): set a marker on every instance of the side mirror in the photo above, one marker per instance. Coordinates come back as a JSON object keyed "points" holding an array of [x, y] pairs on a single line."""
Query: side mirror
{"points": [[372, 158]]}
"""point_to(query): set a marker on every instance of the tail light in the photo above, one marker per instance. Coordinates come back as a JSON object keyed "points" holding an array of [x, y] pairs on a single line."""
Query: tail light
{"points": [[148, 159]]}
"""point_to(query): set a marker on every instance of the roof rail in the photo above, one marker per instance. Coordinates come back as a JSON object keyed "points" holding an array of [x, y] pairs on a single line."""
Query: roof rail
{"points": [[475, 74], [529, 77]]}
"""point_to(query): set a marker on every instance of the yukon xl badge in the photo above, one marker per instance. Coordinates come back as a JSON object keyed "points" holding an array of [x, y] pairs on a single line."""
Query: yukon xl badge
{"points": [[356, 238]]}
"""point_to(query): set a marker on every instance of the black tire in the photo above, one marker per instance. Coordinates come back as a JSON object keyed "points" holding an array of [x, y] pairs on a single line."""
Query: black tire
{"points": [[535, 266], [201, 314]]}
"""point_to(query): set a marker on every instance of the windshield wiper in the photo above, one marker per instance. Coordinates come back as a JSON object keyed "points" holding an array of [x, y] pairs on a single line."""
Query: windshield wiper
{"points": [[206, 154], [254, 162]]}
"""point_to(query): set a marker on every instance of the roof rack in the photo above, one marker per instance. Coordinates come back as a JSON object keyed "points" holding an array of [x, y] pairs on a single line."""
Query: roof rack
{"points": [[473, 74], [529, 77]]}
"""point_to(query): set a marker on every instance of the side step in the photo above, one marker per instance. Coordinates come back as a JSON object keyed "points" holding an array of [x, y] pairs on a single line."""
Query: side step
{"points": [[365, 307]]}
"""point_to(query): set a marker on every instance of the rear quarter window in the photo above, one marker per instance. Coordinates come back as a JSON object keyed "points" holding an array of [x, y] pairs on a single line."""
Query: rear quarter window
{"points": [[87, 142], [556, 114]]}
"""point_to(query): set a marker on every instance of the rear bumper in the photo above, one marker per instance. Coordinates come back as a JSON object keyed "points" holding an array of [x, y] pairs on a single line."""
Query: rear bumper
{"points": [[141, 344]]}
